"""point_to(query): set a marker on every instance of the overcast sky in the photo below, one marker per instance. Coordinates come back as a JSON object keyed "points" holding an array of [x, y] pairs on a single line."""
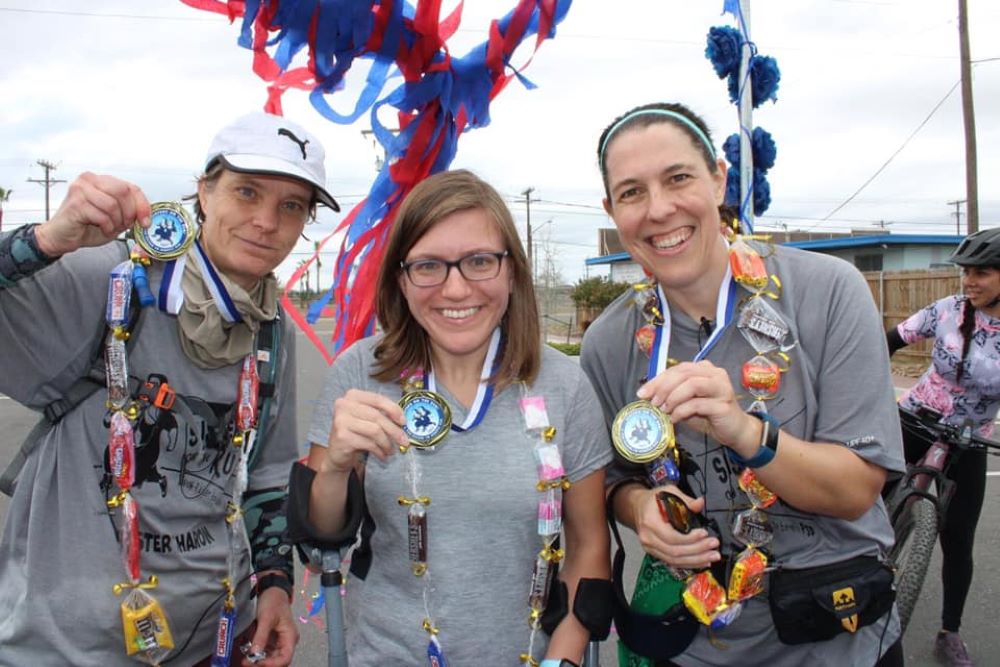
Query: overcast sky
{"points": [[138, 89]]}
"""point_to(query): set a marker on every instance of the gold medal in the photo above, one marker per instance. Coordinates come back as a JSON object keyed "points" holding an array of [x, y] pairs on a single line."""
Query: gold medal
{"points": [[428, 418], [642, 432], [170, 233]]}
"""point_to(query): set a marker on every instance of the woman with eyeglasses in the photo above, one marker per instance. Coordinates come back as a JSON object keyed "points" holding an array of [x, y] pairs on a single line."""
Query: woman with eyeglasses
{"points": [[766, 370], [460, 447]]}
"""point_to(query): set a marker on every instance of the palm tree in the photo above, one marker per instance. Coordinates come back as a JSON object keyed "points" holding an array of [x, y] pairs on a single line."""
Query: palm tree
{"points": [[4, 196]]}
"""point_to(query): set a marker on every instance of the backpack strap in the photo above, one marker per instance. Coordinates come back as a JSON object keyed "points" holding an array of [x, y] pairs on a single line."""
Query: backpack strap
{"points": [[77, 393], [268, 362]]}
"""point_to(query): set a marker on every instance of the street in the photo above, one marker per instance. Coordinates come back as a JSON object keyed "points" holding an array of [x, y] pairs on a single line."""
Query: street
{"points": [[979, 629]]}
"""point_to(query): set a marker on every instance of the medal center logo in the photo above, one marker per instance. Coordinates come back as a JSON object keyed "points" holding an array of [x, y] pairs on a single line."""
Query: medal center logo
{"points": [[427, 418]]}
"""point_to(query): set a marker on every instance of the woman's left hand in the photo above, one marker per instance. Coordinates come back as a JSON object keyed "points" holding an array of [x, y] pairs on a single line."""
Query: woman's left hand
{"points": [[700, 395]]}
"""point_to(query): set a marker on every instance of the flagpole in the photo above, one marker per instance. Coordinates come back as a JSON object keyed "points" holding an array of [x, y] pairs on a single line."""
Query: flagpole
{"points": [[746, 122]]}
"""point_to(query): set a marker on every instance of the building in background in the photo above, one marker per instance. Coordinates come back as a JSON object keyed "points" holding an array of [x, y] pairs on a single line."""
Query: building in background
{"points": [[868, 251]]}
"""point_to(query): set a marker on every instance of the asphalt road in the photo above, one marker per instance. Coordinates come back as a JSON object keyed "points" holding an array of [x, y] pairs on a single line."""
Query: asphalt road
{"points": [[979, 629]]}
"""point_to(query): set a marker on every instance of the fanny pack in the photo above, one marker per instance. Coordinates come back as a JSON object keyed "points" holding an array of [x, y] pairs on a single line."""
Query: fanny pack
{"points": [[818, 603]]}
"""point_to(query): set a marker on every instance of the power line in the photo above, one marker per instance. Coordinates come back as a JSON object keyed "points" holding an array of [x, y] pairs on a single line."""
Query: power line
{"points": [[893, 156], [101, 15]]}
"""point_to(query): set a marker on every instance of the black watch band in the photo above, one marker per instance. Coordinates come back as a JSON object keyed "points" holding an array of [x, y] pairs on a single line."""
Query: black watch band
{"points": [[274, 579]]}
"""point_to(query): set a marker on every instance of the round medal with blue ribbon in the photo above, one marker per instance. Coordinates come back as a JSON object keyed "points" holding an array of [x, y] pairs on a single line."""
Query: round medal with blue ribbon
{"points": [[170, 233], [428, 418], [642, 432]]}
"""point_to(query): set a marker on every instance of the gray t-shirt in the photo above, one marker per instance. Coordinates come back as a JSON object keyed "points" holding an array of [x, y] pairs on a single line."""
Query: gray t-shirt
{"points": [[482, 519], [837, 389], [59, 557]]}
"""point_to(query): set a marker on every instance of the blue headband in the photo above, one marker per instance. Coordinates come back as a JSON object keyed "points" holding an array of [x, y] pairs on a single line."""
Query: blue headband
{"points": [[657, 112]]}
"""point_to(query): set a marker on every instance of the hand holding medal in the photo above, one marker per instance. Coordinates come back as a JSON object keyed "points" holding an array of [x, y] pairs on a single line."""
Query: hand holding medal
{"points": [[96, 210], [364, 423]]}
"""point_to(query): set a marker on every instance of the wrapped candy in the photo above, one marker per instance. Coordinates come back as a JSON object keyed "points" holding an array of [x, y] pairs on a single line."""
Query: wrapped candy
{"points": [[147, 632], [746, 264]]}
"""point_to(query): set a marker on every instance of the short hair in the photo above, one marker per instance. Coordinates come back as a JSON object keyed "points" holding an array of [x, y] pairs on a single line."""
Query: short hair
{"points": [[405, 344], [646, 115]]}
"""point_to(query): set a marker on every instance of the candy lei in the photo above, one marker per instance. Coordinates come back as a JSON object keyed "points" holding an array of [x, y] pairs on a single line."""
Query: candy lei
{"points": [[765, 330], [146, 629], [552, 482]]}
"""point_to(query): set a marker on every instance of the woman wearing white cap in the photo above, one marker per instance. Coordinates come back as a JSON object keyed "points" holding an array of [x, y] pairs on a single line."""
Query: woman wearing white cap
{"points": [[153, 492]]}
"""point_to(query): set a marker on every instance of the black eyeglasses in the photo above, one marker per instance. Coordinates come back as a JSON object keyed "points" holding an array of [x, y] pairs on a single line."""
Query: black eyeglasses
{"points": [[475, 267], [677, 514]]}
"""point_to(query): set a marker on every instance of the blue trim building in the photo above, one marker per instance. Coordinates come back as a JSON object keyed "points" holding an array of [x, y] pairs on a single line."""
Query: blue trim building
{"points": [[874, 252]]}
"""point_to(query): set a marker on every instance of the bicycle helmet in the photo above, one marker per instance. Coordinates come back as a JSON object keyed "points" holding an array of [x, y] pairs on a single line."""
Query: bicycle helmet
{"points": [[979, 249]]}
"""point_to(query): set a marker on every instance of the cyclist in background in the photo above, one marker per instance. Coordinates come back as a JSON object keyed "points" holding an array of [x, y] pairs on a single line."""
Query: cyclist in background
{"points": [[962, 382]]}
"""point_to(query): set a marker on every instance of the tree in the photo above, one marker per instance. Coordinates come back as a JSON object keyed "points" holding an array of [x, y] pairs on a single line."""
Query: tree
{"points": [[596, 293], [4, 196]]}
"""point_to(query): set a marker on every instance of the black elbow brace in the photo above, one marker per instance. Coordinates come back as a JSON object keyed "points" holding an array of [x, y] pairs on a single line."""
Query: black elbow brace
{"points": [[592, 606], [300, 528]]}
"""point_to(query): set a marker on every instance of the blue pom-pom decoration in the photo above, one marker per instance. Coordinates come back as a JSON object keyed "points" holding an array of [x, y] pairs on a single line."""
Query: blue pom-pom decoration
{"points": [[725, 46], [764, 78], [764, 150], [731, 149], [761, 192], [732, 188], [734, 87]]}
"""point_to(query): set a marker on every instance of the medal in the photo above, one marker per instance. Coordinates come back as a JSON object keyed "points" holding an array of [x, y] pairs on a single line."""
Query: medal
{"points": [[641, 432], [428, 418], [170, 233]]}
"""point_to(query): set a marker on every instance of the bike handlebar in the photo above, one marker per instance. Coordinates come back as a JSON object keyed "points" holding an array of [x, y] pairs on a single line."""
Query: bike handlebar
{"points": [[963, 436]]}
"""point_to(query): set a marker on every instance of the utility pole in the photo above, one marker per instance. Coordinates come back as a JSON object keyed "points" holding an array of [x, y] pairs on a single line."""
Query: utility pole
{"points": [[48, 182], [969, 119], [531, 256], [4, 196], [318, 264], [958, 215]]}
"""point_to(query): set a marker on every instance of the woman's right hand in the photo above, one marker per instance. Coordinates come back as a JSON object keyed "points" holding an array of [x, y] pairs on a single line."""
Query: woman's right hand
{"points": [[363, 423], [695, 550], [95, 211]]}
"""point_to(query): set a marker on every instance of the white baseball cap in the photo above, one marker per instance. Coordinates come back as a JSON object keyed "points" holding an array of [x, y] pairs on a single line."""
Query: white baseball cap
{"points": [[261, 143]]}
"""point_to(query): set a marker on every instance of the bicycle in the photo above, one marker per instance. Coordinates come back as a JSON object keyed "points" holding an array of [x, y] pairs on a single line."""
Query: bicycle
{"points": [[916, 511]]}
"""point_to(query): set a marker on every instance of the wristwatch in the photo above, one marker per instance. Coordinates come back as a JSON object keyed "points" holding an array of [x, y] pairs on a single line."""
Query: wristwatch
{"points": [[274, 579], [768, 443]]}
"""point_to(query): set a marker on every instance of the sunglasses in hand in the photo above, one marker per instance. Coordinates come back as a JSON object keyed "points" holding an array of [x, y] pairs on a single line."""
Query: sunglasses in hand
{"points": [[678, 514]]}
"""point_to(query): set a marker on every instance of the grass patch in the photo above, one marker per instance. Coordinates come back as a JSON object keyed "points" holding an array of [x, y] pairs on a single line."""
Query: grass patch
{"points": [[572, 349]]}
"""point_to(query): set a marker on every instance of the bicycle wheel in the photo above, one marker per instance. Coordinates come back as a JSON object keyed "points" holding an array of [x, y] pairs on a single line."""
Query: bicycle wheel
{"points": [[916, 531]]}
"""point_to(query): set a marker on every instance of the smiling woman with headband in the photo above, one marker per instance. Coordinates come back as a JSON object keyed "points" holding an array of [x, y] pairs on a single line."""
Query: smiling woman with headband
{"points": [[759, 372]]}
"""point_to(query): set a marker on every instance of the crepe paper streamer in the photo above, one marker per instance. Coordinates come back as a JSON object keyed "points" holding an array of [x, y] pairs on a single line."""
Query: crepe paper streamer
{"points": [[440, 97]]}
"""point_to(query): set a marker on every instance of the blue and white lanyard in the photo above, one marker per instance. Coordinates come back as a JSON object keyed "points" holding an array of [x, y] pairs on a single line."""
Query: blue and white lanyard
{"points": [[484, 395], [725, 307], [171, 296]]}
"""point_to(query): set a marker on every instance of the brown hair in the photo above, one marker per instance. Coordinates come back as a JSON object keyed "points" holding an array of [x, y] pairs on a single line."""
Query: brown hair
{"points": [[634, 118], [405, 344]]}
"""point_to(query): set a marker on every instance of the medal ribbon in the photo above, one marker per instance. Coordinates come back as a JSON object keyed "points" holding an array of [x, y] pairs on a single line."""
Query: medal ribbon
{"points": [[171, 296], [724, 311], [484, 395]]}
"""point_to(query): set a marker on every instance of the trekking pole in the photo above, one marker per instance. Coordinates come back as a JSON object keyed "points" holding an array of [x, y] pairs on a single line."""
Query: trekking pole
{"points": [[331, 579], [592, 656]]}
